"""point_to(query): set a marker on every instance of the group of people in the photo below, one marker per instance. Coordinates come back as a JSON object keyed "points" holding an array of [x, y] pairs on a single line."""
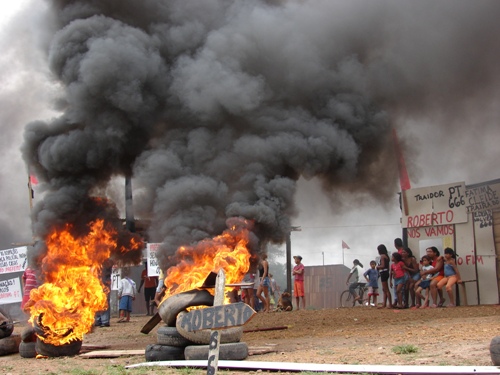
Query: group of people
{"points": [[416, 284], [262, 293], [260, 289]]}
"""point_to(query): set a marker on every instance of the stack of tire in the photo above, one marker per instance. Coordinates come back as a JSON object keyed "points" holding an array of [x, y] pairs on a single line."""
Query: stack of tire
{"points": [[9, 343], [175, 343], [27, 347]]}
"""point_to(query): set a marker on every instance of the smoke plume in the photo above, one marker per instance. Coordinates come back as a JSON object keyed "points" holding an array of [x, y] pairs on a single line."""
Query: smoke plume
{"points": [[217, 107]]}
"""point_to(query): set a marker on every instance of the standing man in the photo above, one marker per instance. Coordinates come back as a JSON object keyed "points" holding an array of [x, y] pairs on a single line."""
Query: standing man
{"points": [[150, 283], [298, 285]]}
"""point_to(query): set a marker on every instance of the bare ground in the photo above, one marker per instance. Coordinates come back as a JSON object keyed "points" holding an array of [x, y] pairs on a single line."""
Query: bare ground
{"points": [[360, 335]]}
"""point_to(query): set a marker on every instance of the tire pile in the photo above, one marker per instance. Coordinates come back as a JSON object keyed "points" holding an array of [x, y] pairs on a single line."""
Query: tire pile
{"points": [[9, 343], [175, 343]]}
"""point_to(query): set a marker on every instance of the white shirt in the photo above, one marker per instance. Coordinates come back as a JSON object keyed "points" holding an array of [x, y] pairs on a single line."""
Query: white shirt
{"points": [[358, 272], [127, 287]]}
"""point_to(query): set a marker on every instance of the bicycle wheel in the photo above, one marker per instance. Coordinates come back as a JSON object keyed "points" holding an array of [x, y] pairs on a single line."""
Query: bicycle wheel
{"points": [[346, 299], [363, 295]]}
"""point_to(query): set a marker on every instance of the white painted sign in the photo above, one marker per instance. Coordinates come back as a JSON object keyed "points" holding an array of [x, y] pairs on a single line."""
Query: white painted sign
{"points": [[13, 260], [153, 266], [116, 278], [435, 205], [10, 291], [482, 197]]}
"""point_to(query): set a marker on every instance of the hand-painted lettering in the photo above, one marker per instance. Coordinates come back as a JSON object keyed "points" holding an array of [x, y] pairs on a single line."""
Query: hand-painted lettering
{"points": [[427, 220]]}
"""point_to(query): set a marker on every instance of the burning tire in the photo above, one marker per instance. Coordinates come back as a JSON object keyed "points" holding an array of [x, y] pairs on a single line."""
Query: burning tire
{"points": [[172, 306], [237, 351], [170, 336], [66, 350], [164, 353], [229, 335], [10, 345], [27, 349]]}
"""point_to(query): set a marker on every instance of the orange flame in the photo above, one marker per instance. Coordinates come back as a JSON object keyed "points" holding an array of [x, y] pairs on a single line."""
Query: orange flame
{"points": [[73, 291], [228, 251]]}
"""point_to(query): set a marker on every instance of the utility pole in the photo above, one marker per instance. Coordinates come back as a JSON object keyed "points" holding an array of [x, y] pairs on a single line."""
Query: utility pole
{"points": [[289, 257]]}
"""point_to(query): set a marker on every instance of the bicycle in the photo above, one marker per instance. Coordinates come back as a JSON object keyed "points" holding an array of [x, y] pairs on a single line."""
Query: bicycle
{"points": [[347, 298]]}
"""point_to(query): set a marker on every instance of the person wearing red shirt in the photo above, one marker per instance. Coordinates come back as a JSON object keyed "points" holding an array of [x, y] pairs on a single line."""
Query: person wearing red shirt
{"points": [[150, 283], [298, 285]]}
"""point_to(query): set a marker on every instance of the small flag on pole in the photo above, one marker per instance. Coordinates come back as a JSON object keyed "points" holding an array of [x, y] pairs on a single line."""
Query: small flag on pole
{"points": [[33, 179], [344, 245]]}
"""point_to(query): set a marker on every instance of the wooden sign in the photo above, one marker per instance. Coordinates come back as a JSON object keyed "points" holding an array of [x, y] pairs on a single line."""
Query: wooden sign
{"points": [[217, 317]]}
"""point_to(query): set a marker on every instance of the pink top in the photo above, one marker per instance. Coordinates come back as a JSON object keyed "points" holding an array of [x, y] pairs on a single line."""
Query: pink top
{"points": [[30, 282], [397, 269]]}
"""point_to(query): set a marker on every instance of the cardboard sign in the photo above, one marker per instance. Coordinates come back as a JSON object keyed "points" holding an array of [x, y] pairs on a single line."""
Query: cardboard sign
{"points": [[217, 317], [13, 260], [153, 266], [10, 291]]}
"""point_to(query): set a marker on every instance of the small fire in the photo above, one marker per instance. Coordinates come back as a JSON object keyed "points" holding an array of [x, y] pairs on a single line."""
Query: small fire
{"points": [[72, 292], [228, 251]]}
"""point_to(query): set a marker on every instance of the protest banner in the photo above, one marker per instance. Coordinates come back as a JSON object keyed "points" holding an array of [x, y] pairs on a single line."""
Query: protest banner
{"points": [[13, 260], [10, 291]]}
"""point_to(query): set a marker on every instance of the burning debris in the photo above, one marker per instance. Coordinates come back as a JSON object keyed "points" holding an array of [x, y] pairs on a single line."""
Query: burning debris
{"points": [[63, 308]]}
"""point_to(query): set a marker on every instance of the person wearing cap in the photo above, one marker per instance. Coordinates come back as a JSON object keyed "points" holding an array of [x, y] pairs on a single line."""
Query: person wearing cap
{"points": [[298, 285]]}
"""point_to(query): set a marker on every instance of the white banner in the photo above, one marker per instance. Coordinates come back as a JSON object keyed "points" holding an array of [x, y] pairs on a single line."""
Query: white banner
{"points": [[13, 260], [10, 291], [153, 266], [116, 276], [435, 205]]}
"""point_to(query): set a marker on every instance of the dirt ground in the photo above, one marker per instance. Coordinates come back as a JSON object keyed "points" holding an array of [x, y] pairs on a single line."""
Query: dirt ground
{"points": [[359, 335]]}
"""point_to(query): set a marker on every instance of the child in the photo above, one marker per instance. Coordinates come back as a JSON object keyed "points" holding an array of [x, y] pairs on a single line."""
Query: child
{"points": [[126, 294], [398, 274], [298, 286], [425, 281], [371, 277], [451, 275]]}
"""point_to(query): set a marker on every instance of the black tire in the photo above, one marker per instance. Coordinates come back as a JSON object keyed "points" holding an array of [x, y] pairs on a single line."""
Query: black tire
{"points": [[164, 353], [495, 350], [66, 350], [229, 335], [6, 330], [236, 351], [10, 345], [346, 299], [28, 334], [6, 325], [27, 349], [170, 336], [173, 305]]}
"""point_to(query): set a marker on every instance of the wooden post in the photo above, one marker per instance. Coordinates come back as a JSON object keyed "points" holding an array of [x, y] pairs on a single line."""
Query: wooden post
{"points": [[213, 352]]}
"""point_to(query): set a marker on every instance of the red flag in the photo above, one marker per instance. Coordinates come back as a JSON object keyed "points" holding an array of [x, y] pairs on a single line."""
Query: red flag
{"points": [[404, 180], [33, 179], [344, 245]]}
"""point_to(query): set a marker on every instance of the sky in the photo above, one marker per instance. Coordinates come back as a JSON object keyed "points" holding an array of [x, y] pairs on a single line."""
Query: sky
{"points": [[431, 69]]}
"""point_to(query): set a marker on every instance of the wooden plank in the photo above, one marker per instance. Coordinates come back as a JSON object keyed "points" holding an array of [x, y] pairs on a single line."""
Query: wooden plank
{"points": [[153, 322], [323, 367], [112, 353]]}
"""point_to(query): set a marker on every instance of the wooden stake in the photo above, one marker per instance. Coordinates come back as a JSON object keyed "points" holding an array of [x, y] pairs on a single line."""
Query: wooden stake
{"points": [[213, 352]]}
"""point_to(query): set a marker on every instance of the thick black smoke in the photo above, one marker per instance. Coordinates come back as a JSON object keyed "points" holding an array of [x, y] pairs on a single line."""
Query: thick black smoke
{"points": [[217, 108]]}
